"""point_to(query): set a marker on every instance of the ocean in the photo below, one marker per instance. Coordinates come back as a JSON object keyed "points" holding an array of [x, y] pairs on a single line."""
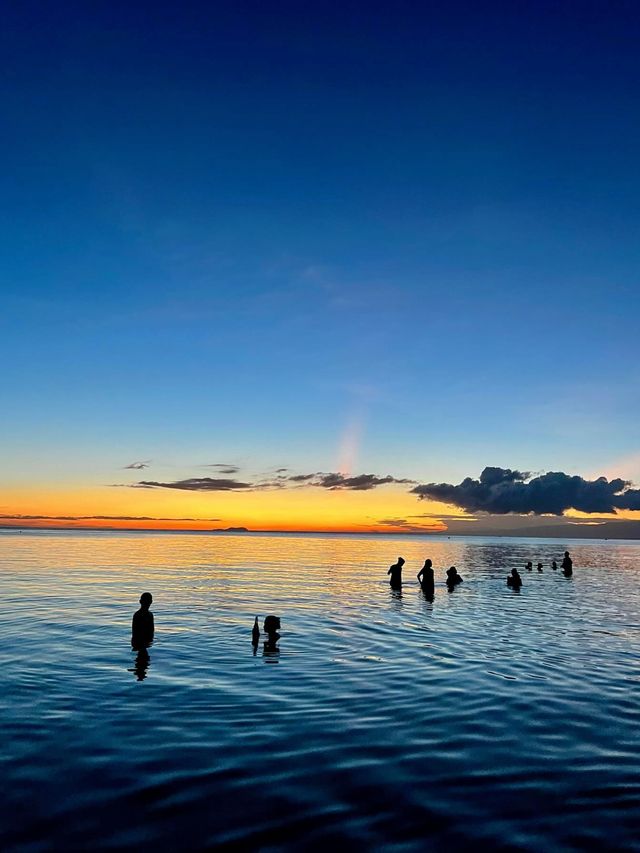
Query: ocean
{"points": [[485, 719]]}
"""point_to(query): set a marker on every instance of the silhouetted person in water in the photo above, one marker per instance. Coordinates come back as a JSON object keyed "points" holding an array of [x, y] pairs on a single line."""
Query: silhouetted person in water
{"points": [[255, 633], [567, 565], [426, 578], [539, 567], [396, 574], [514, 580], [529, 566], [554, 566], [142, 627], [453, 578], [271, 627]]}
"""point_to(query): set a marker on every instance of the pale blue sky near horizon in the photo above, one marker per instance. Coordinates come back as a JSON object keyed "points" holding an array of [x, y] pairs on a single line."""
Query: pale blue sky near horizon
{"points": [[231, 232]]}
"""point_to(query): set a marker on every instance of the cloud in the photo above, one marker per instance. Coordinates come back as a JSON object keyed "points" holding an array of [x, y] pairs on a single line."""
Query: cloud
{"points": [[224, 467], [97, 518], [502, 490], [334, 480], [137, 466], [319, 479], [197, 484], [410, 527]]}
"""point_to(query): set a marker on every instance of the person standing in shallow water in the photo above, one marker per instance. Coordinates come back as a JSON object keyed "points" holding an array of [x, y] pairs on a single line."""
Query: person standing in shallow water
{"points": [[453, 578], [567, 565], [514, 580], [142, 627], [395, 571], [426, 578]]}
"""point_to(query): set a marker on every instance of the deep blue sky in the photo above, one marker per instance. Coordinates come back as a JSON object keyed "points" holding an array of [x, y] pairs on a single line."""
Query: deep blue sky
{"points": [[231, 230]]}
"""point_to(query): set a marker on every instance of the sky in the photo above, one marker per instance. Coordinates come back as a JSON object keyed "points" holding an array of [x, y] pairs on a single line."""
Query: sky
{"points": [[392, 239]]}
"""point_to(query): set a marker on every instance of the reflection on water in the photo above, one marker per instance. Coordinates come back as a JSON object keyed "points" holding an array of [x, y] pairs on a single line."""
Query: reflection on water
{"points": [[485, 718]]}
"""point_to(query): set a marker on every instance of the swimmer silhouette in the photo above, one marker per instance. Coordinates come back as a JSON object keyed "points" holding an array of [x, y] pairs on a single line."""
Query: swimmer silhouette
{"points": [[554, 566], [426, 578], [396, 573], [142, 627], [255, 633], [529, 566], [271, 626], [514, 580], [567, 565], [453, 578], [539, 567]]}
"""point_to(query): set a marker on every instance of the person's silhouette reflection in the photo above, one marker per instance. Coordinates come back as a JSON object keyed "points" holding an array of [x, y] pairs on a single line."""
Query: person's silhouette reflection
{"points": [[141, 665], [142, 626], [395, 571], [426, 578]]}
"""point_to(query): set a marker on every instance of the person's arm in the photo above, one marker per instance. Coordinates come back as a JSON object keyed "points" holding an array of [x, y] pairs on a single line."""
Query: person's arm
{"points": [[390, 570], [419, 575]]}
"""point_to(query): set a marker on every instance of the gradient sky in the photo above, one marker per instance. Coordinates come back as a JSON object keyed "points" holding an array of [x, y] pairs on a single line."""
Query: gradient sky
{"points": [[390, 238]]}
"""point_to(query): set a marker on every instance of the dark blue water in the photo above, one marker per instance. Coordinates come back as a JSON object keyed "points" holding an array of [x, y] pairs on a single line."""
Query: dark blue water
{"points": [[486, 719]]}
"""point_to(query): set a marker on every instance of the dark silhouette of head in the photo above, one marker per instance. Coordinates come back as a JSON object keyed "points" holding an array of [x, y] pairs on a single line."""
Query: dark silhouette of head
{"points": [[146, 600], [566, 553], [401, 561], [271, 624], [427, 564]]}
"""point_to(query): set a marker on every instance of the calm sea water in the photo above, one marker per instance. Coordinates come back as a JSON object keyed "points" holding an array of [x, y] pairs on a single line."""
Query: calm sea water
{"points": [[486, 719]]}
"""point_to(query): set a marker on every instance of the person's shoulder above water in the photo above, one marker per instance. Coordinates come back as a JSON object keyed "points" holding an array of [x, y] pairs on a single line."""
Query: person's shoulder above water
{"points": [[142, 625]]}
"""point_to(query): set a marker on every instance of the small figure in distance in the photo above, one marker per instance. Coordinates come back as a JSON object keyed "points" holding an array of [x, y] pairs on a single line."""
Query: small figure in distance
{"points": [[395, 571], [554, 566], [271, 627], [529, 566], [142, 627], [255, 633], [514, 580], [567, 565], [426, 578], [453, 578], [539, 567]]}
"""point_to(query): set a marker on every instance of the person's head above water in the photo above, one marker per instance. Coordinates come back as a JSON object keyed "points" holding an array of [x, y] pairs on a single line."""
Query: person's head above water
{"points": [[401, 561], [566, 553], [515, 573], [427, 564], [146, 600], [271, 624]]}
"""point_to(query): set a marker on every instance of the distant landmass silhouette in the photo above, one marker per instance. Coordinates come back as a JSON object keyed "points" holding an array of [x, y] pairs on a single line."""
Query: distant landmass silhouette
{"points": [[230, 530]]}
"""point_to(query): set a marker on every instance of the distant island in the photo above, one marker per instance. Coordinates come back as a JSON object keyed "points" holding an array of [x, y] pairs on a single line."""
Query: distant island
{"points": [[230, 530]]}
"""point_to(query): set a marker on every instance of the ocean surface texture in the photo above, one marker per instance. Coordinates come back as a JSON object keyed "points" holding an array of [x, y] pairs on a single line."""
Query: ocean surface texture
{"points": [[488, 719]]}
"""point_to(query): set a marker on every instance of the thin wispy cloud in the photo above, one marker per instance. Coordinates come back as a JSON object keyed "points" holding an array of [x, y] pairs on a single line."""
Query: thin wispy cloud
{"points": [[323, 480], [8, 516], [198, 484], [137, 466], [223, 467]]}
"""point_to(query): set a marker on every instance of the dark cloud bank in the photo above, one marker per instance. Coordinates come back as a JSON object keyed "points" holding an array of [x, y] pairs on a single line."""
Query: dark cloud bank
{"points": [[501, 490], [359, 483]]}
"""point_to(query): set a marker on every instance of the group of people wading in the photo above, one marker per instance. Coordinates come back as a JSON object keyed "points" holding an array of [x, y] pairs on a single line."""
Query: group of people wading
{"points": [[426, 577]]}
